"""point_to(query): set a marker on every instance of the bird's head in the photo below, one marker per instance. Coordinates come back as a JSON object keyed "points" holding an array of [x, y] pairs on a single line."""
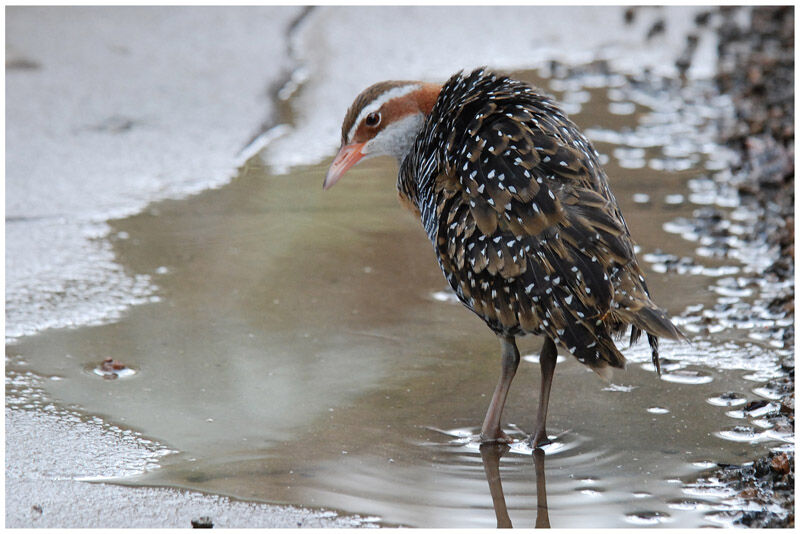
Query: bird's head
{"points": [[383, 120]]}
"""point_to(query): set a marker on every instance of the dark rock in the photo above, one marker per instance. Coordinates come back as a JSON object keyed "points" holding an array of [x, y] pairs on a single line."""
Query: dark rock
{"points": [[658, 27], [762, 466], [202, 522], [759, 519], [780, 463], [755, 405], [21, 63], [630, 15], [701, 19]]}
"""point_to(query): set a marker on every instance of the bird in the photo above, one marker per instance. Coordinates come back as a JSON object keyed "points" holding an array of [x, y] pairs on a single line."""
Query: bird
{"points": [[517, 206]]}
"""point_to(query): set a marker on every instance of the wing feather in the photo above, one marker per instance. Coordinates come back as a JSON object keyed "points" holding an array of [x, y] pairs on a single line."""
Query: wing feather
{"points": [[529, 235]]}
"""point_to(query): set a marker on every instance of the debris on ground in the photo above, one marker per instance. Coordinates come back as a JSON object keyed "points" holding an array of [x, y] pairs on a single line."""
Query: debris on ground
{"points": [[756, 68], [202, 522]]}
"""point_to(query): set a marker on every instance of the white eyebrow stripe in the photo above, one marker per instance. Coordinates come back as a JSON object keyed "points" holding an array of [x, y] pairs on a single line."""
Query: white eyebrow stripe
{"points": [[376, 104]]}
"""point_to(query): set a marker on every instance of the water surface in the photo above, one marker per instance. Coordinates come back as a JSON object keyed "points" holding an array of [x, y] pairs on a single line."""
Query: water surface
{"points": [[303, 350]]}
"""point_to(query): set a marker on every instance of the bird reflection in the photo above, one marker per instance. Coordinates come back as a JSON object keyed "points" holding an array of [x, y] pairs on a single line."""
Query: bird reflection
{"points": [[542, 516], [491, 454]]}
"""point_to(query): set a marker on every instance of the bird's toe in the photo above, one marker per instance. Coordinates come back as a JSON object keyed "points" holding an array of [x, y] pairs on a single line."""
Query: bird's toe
{"points": [[496, 437], [539, 440]]}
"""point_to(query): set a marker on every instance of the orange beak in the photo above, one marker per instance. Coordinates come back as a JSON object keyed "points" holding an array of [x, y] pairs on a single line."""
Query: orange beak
{"points": [[348, 156]]}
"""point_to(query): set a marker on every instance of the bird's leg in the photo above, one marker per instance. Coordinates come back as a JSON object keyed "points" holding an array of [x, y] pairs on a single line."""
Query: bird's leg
{"points": [[491, 454], [547, 361], [490, 431]]}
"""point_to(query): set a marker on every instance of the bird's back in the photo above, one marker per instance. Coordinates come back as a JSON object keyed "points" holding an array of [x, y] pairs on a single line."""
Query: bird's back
{"points": [[524, 225]]}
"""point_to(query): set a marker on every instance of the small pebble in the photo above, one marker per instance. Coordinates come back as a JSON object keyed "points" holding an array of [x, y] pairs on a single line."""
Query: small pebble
{"points": [[780, 463], [755, 405], [202, 522]]}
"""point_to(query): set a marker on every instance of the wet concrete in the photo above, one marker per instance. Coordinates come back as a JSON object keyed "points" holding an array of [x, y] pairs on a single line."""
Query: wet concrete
{"points": [[52, 492], [302, 350], [117, 107]]}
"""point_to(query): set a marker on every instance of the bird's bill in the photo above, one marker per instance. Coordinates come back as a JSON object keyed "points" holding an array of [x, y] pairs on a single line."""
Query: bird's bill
{"points": [[348, 156]]}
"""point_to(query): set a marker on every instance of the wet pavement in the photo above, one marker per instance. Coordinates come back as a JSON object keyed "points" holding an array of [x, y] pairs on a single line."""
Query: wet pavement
{"points": [[70, 450], [110, 108], [302, 348]]}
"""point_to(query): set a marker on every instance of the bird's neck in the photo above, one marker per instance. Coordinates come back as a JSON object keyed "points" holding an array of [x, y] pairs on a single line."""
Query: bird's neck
{"points": [[424, 100], [399, 140], [426, 96]]}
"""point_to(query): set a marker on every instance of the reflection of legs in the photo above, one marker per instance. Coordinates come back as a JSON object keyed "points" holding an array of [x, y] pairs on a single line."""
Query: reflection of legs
{"points": [[542, 515], [491, 454], [547, 361], [490, 431]]}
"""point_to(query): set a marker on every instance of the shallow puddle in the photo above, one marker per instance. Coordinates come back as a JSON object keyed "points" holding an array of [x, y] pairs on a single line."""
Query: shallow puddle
{"points": [[304, 350]]}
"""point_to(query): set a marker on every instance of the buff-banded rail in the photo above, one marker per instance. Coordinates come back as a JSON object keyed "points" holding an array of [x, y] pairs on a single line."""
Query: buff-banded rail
{"points": [[517, 206]]}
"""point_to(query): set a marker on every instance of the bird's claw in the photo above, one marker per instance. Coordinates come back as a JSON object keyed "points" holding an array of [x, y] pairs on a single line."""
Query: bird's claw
{"points": [[538, 441]]}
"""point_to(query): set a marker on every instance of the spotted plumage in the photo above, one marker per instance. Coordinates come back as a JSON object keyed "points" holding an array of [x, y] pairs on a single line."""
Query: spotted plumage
{"points": [[525, 228], [522, 222]]}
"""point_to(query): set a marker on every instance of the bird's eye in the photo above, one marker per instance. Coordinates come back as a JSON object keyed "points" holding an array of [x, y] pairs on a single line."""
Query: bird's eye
{"points": [[373, 119]]}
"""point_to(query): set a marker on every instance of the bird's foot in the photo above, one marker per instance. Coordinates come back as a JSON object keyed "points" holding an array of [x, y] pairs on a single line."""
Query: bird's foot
{"points": [[539, 440], [497, 436]]}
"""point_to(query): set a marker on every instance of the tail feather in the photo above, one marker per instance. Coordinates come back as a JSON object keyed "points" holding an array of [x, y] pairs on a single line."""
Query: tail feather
{"points": [[653, 340], [635, 334], [606, 357], [655, 322], [638, 310], [603, 371], [610, 354]]}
